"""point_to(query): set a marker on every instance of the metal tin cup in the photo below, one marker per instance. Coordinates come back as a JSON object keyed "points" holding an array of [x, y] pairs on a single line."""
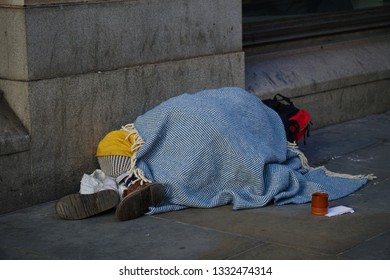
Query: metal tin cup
{"points": [[319, 203]]}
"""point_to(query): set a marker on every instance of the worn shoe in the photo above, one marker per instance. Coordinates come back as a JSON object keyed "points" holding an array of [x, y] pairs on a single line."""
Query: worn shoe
{"points": [[81, 206], [137, 202]]}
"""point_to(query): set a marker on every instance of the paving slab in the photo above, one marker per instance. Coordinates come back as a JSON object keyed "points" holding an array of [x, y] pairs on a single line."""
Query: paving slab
{"points": [[37, 233], [269, 251], [291, 226], [334, 141], [375, 248]]}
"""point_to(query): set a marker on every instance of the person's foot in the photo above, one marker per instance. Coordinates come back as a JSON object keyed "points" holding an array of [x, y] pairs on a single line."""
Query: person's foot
{"points": [[137, 202], [81, 206]]}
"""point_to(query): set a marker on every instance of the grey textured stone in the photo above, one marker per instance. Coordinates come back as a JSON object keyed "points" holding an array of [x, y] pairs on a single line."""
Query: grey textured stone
{"points": [[45, 2], [13, 136], [376, 248], [319, 69], [336, 141], [335, 82], [17, 190], [344, 104], [71, 39], [299, 229], [274, 251], [141, 239], [13, 44], [17, 96]]}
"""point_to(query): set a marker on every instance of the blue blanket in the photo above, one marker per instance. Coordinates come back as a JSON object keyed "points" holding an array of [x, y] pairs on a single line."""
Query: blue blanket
{"points": [[224, 146]]}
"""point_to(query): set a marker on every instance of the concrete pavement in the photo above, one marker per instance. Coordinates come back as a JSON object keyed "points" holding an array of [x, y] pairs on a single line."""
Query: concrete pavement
{"points": [[361, 146]]}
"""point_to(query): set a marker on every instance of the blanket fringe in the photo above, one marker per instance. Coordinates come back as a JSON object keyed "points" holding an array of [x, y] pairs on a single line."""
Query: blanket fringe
{"points": [[369, 177], [305, 164], [138, 143]]}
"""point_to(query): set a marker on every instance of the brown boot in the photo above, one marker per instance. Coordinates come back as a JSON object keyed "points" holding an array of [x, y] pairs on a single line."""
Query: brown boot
{"points": [[137, 200], [81, 206]]}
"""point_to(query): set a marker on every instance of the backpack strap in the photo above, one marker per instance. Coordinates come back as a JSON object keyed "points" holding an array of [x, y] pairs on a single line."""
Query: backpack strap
{"points": [[283, 98]]}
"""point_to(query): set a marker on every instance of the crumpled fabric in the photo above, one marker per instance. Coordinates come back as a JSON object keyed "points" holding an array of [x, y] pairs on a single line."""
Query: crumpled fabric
{"points": [[96, 182], [224, 146]]}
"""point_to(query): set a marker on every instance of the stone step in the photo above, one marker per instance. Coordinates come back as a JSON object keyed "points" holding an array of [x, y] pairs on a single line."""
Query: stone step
{"points": [[334, 82]]}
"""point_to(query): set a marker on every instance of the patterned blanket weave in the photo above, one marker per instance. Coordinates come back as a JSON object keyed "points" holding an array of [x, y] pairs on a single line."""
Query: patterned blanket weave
{"points": [[223, 146]]}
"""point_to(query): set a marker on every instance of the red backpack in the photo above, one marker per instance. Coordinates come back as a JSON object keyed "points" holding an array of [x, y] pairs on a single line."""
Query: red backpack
{"points": [[296, 121]]}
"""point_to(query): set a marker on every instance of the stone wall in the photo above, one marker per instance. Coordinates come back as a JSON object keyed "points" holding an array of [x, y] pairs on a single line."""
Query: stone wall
{"points": [[73, 70]]}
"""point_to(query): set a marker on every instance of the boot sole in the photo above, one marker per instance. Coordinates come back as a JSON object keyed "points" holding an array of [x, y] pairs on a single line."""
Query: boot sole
{"points": [[81, 206], [135, 204]]}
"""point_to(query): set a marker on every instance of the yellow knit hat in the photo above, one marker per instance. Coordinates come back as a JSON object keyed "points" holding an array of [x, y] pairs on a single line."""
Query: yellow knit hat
{"points": [[116, 143], [115, 151]]}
